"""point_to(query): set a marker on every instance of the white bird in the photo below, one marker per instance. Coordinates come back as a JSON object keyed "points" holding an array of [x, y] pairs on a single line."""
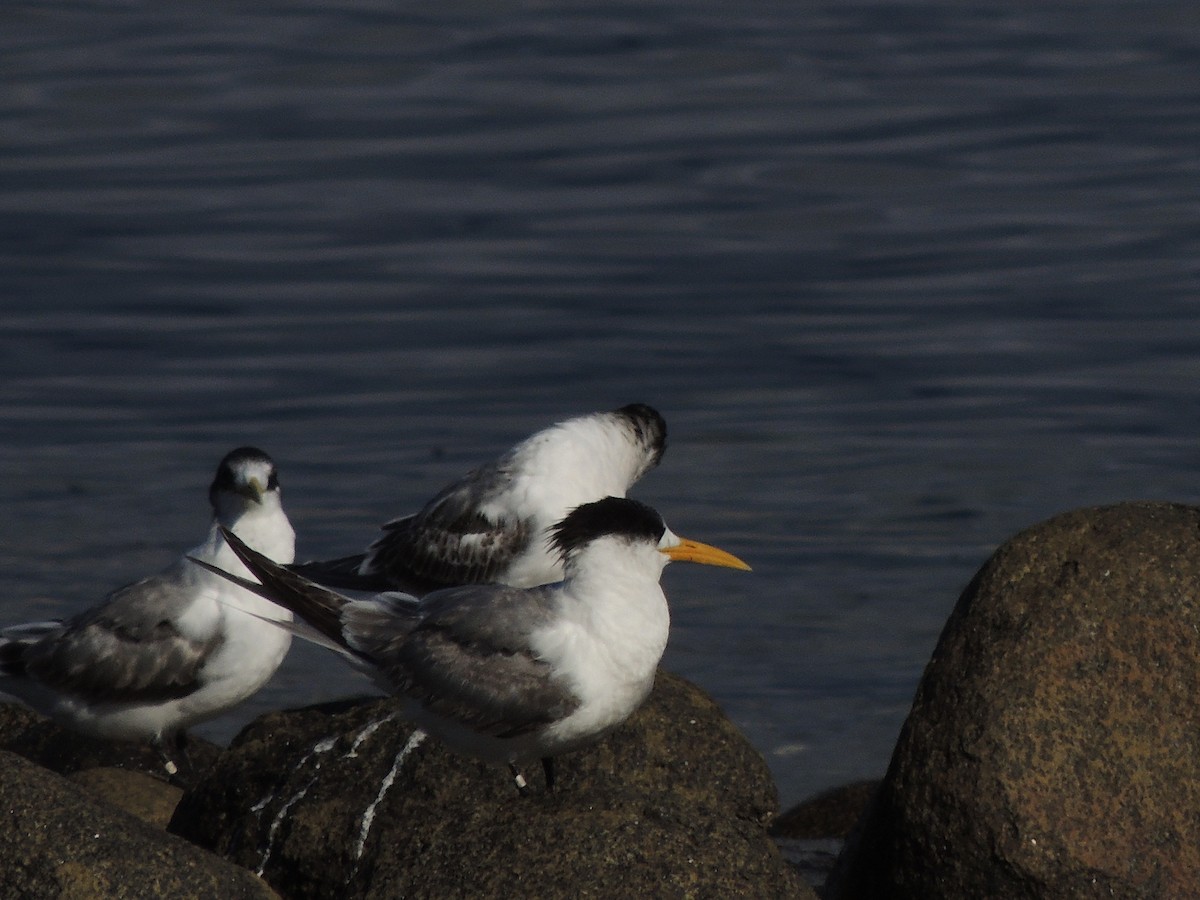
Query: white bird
{"points": [[173, 649], [508, 674], [492, 526]]}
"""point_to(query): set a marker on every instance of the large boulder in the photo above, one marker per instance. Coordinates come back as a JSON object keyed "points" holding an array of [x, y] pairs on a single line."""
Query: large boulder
{"points": [[342, 800], [1053, 748], [59, 841]]}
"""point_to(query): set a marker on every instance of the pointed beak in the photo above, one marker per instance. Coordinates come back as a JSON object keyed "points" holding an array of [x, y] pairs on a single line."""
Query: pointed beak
{"points": [[694, 551], [254, 490]]}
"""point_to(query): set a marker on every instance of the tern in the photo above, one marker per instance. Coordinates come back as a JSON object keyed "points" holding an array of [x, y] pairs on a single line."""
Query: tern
{"points": [[509, 674], [173, 649], [492, 525]]}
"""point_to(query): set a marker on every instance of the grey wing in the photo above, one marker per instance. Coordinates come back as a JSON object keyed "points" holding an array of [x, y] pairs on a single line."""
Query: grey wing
{"points": [[470, 660], [127, 648], [371, 628], [450, 542]]}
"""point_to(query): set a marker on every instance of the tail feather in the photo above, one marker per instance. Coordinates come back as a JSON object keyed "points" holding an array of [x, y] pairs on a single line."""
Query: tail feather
{"points": [[30, 631], [320, 607], [342, 573], [296, 626], [16, 639], [12, 658]]}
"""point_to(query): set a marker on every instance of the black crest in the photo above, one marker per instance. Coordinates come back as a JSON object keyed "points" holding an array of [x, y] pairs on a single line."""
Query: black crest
{"points": [[611, 516], [649, 427]]}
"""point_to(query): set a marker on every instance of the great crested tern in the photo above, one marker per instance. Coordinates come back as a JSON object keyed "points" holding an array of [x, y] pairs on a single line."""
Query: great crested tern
{"points": [[492, 525], [173, 649], [510, 674]]}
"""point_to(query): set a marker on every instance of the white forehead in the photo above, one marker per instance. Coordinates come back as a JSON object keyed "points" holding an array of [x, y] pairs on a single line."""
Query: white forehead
{"points": [[246, 470]]}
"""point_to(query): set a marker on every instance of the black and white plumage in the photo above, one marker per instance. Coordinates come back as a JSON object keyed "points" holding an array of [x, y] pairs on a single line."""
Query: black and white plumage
{"points": [[491, 526], [175, 648], [511, 674]]}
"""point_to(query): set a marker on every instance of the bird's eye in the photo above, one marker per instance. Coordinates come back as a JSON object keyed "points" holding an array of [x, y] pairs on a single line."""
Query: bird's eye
{"points": [[273, 482]]}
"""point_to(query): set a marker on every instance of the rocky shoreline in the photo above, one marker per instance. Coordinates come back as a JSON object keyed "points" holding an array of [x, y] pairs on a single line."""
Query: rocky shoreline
{"points": [[1052, 751], [345, 800]]}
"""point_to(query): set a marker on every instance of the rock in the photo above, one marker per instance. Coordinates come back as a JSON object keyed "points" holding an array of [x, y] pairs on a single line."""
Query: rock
{"points": [[144, 796], [57, 841], [810, 834], [341, 800], [830, 814], [51, 746], [1052, 750]]}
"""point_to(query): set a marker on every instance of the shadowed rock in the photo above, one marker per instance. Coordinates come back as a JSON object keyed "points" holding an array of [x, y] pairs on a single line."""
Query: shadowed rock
{"points": [[144, 796], [1053, 749], [829, 814], [40, 740], [58, 841], [341, 801]]}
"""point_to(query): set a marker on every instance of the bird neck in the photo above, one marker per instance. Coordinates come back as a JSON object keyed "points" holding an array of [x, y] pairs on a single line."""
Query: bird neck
{"points": [[616, 588]]}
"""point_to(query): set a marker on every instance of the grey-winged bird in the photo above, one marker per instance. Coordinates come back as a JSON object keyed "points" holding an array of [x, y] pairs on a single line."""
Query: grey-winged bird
{"points": [[511, 674], [173, 649]]}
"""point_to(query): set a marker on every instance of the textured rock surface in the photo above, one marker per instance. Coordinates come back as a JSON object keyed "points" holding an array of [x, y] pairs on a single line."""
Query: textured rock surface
{"points": [[829, 814], [40, 740], [335, 801], [58, 841], [144, 796], [1053, 749]]}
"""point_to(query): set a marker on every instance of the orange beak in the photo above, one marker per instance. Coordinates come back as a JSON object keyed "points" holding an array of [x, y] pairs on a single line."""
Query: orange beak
{"points": [[694, 551]]}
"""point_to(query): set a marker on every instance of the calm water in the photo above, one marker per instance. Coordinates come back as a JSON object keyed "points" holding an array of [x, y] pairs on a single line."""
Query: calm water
{"points": [[903, 277]]}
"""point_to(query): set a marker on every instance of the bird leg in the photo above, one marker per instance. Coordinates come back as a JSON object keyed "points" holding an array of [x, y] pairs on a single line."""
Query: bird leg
{"points": [[523, 785], [519, 779], [172, 749]]}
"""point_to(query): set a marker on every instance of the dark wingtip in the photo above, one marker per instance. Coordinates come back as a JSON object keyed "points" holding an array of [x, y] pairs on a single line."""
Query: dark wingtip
{"points": [[649, 427], [342, 574], [229, 576], [265, 569], [238, 546], [12, 659], [316, 605]]}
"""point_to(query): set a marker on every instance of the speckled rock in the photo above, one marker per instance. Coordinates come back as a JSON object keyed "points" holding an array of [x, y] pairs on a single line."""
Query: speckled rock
{"points": [[40, 740], [150, 799], [341, 801], [1053, 749], [829, 814], [58, 841]]}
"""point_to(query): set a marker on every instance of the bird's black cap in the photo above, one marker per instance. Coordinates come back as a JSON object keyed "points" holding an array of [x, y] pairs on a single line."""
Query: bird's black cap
{"points": [[226, 479], [618, 516]]}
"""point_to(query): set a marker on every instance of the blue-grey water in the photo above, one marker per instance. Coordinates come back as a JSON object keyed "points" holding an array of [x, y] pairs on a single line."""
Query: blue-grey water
{"points": [[904, 277]]}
